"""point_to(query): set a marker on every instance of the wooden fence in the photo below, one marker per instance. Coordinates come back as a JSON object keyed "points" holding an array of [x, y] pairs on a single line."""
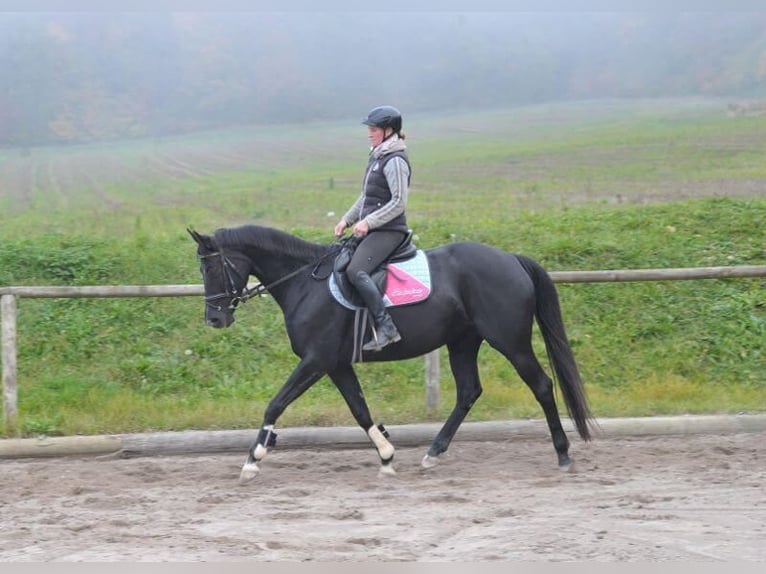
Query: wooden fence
{"points": [[9, 295]]}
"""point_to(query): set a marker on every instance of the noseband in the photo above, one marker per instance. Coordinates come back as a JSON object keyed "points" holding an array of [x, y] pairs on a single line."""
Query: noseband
{"points": [[228, 271]]}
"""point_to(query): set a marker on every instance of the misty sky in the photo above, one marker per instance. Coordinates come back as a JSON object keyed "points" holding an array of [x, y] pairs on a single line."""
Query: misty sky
{"points": [[82, 76]]}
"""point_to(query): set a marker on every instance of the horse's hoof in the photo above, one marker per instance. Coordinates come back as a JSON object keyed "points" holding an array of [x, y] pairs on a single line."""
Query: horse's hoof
{"points": [[387, 470], [249, 471], [429, 461], [567, 467]]}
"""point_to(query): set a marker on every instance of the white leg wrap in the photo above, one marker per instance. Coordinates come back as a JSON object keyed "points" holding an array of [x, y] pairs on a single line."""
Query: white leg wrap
{"points": [[259, 452], [385, 448]]}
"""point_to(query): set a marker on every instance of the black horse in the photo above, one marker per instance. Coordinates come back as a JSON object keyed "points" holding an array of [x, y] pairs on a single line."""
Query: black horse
{"points": [[479, 294]]}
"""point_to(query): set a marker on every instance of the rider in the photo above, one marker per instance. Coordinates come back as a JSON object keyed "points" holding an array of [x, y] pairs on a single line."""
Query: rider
{"points": [[378, 216]]}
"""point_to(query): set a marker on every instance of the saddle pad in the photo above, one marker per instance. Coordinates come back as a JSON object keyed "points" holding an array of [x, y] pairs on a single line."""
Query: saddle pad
{"points": [[407, 282]]}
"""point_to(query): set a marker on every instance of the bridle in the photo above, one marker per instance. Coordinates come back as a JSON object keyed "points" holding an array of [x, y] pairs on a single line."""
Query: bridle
{"points": [[229, 271]]}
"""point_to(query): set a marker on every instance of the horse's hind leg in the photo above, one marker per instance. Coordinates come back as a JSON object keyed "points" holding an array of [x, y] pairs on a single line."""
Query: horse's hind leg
{"points": [[462, 359], [524, 360]]}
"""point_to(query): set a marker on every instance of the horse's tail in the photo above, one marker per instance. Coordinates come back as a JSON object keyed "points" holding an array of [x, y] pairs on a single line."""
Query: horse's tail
{"points": [[548, 313]]}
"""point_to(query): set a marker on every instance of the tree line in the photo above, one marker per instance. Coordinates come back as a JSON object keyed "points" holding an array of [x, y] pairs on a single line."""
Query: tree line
{"points": [[83, 77]]}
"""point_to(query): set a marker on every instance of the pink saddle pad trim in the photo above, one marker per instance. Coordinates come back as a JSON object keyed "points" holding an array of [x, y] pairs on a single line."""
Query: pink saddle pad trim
{"points": [[403, 289]]}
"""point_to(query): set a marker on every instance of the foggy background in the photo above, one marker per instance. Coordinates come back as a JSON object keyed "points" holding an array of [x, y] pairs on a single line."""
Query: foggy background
{"points": [[83, 77]]}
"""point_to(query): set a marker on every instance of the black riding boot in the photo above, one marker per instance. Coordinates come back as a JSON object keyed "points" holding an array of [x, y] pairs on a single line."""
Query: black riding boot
{"points": [[384, 330]]}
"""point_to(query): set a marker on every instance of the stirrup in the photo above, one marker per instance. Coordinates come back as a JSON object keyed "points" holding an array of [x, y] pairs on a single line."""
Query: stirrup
{"points": [[374, 344]]}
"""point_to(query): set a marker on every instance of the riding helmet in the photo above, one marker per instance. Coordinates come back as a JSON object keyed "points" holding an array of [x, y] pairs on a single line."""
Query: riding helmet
{"points": [[384, 117]]}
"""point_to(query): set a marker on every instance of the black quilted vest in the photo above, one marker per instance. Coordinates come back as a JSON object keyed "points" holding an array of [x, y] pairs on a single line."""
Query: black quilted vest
{"points": [[377, 193]]}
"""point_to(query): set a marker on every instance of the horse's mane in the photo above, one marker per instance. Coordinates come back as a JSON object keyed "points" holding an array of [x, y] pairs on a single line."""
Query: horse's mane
{"points": [[270, 240]]}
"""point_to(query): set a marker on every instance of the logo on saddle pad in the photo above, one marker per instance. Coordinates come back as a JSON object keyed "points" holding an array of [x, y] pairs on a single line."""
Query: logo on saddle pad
{"points": [[406, 282]]}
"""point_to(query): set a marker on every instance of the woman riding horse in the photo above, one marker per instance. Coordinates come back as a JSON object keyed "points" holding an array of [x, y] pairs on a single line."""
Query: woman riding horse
{"points": [[378, 216]]}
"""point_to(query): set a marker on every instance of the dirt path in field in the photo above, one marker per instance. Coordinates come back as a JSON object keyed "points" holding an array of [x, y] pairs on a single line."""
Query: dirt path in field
{"points": [[698, 497]]}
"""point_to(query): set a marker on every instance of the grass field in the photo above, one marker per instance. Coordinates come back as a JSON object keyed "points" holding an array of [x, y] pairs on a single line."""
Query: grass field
{"points": [[590, 185]]}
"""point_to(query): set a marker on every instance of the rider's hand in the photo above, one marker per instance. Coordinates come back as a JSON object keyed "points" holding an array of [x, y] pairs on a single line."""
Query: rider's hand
{"points": [[340, 228], [362, 228]]}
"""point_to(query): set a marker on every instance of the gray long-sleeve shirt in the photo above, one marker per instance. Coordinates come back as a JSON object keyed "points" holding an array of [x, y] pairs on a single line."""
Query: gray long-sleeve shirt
{"points": [[397, 174]]}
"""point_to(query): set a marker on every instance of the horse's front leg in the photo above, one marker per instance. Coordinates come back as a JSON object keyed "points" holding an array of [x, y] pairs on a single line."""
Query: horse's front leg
{"points": [[302, 378], [348, 384]]}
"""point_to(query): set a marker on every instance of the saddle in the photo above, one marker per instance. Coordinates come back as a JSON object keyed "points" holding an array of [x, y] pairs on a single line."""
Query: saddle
{"points": [[404, 252]]}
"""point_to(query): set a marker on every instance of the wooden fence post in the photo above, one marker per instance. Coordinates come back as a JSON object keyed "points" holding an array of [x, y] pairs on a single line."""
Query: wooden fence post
{"points": [[10, 398], [432, 380]]}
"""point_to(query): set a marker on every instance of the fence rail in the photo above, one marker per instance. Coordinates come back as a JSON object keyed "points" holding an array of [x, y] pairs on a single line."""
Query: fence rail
{"points": [[9, 296]]}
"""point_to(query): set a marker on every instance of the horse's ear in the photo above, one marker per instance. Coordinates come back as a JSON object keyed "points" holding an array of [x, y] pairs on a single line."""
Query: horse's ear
{"points": [[204, 241], [195, 236]]}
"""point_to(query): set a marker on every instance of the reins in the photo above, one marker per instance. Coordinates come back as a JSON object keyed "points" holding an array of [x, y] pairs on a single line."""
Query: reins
{"points": [[260, 289]]}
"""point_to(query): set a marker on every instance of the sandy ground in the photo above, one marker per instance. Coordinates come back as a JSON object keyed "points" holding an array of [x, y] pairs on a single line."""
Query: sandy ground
{"points": [[697, 497]]}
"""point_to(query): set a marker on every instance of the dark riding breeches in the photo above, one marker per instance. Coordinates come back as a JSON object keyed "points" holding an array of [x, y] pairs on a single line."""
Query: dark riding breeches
{"points": [[372, 251]]}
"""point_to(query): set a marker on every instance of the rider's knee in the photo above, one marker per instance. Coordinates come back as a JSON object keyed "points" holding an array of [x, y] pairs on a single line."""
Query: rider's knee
{"points": [[356, 275]]}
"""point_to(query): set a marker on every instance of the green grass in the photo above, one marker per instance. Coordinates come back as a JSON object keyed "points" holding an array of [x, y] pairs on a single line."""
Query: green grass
{"points": [[629, 187]]}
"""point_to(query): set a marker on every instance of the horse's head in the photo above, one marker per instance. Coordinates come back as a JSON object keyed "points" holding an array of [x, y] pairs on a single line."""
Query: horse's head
{"points": [[225, 278]]}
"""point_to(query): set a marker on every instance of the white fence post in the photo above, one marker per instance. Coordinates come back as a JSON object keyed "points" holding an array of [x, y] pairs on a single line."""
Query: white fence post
{"points": [[10, 397]]}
